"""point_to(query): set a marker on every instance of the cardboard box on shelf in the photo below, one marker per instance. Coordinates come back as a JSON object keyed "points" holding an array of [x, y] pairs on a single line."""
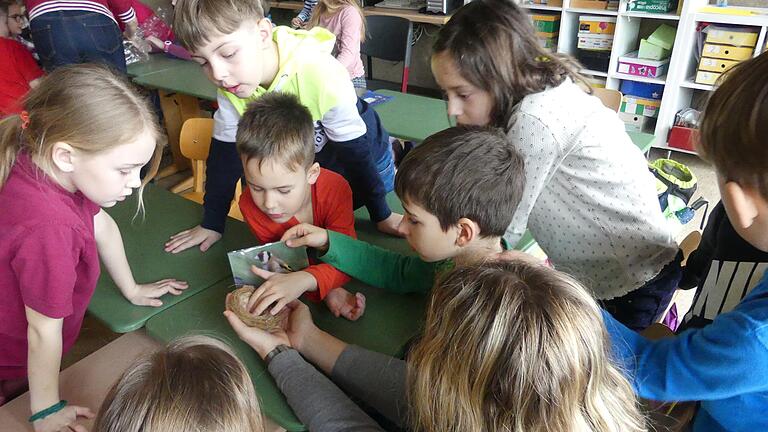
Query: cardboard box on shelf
{"points": [[740, 37], [546, 23], [596, 24], [704, 77], [651, 52], [638, 106], [632, 65], [598, 42], [634, 122], [716, 65], [726, 52]]}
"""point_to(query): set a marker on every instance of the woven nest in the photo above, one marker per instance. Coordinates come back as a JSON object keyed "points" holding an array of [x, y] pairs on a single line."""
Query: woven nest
{"points": [[237, 302]]}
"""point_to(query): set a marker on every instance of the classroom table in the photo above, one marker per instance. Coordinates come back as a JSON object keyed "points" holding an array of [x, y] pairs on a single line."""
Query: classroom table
{"points": [[156, 63], [166, 214]]}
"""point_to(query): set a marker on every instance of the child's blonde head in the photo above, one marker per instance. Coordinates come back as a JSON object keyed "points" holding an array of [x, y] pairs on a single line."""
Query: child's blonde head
{"points": [[195, 22], [196, 383], [87, 106], [326, 8], [734, 129], [514, 346]]}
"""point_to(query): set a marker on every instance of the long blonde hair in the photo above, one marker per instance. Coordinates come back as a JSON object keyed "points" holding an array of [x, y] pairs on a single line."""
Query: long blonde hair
{"points": [[332, 7], [196, 383], [513, 346], [86, 106]]}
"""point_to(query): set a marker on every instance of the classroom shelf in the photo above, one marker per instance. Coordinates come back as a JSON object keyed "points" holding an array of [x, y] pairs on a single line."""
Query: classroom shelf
{"points": [[538, 7], [671, 17], [593, 11], [744, 20], [691, 84], [594, 73], [629, 77]]}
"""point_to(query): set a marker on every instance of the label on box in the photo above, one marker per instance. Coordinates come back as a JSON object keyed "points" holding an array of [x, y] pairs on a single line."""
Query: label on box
{"points": [[638, 106], [630, 64], [595, 42], [704, 77]]}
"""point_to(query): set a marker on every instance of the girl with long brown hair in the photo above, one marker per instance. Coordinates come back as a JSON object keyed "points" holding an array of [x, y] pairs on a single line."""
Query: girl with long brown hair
{"points": [[589, 199], [345, 19]]}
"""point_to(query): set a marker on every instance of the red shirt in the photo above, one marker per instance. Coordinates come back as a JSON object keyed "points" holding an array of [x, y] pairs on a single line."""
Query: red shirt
{"points": [[17, 69], [48, 259], [331, 209]]}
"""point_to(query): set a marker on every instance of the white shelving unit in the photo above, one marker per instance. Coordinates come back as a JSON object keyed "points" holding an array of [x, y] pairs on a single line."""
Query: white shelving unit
{"points": [[679, 85]]}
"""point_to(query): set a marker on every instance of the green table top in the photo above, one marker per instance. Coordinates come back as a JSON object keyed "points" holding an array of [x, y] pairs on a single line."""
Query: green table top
{"points": [[166, 214], [184, 77], [389, 322], [156, 63], [412, 117], [643, 141]]}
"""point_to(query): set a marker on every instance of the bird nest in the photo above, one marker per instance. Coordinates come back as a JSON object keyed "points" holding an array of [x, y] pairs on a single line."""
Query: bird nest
{"points": [[237, 302]]}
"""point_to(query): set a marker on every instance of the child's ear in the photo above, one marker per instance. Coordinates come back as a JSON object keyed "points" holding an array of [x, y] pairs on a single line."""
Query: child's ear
{"points": [[742, 204], [313, 172], [468, 231], [265, 30], [63, 156]]}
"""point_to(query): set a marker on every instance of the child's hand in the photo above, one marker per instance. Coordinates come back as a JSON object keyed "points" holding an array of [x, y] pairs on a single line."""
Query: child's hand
{"points": [[299, 324], [306, 235], [64, 420], [297, 23], [262, 341], [390, 224], [148, 294], [192, 237], [280, 288], [344, 303]]}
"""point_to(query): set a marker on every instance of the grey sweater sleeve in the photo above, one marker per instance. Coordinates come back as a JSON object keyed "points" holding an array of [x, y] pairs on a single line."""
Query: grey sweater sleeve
{"points": [[317, 402], [374, 378]]}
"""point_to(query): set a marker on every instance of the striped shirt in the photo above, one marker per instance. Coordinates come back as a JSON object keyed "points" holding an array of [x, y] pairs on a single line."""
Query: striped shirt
{"points": [[306, 12], [125, 12]]}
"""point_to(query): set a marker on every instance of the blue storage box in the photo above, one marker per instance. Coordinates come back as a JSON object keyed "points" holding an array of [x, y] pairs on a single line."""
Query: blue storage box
{"points": [[641, 89]]}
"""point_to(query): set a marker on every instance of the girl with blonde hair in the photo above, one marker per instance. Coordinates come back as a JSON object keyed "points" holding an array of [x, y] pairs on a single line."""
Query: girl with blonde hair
{"points": [[507, 346], [345, 19], [78, 146], [196, 383]]}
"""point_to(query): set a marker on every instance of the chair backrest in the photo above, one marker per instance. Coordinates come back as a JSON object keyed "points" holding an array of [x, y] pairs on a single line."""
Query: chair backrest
{"points": [[609, 98], [195, 143], [386, 38]]}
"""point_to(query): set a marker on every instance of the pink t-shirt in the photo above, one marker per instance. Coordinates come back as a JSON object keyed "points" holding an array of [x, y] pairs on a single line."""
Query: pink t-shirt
{"points": [[48, 259], [346, 24]]}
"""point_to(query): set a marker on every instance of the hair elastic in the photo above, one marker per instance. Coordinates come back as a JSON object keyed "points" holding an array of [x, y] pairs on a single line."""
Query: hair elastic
{"points": [[24, 116], [48, 411]]}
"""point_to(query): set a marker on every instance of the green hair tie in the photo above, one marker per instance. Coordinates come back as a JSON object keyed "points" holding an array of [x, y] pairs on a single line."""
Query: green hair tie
{"points": [[542, 59], [48, 411]]}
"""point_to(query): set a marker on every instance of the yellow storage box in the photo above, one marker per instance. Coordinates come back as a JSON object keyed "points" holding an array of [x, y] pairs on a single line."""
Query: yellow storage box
{"points": [[726, 52], [745, 37], [716, 65], [597, 24], [704, 77]]}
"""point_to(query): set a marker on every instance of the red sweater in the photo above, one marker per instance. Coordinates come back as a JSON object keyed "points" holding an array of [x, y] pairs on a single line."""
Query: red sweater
{"points": [[17, 70], [331, 209]]}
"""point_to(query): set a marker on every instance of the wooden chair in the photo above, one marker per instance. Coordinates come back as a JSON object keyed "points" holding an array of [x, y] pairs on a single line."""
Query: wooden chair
{"points": [[609, 98], [195, 142]]}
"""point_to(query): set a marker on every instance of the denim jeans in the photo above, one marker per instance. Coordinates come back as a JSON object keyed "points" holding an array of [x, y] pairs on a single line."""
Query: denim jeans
{"points": [[71, 37], [386, 168]]}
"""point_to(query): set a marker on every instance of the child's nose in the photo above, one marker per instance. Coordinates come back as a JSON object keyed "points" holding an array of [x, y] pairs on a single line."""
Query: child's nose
{"points": [[402, 228], [454, 107]]}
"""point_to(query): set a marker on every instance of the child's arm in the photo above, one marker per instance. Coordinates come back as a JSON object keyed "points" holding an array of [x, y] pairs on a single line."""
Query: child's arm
{"points": [[351, 142], [365, 262], [305, 13], [112, 253], [727, 358], [43, 362], [349, 42], [222, 171]]}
